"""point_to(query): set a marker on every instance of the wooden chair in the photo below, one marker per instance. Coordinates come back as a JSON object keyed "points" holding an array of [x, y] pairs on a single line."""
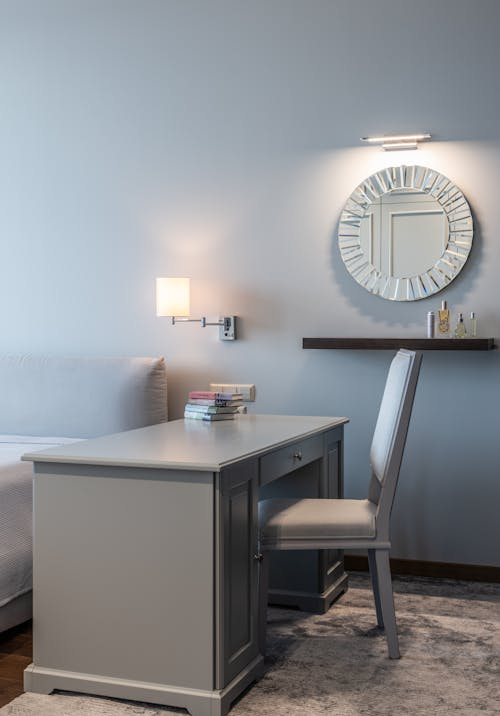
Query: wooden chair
{"points": [[293, 524]]}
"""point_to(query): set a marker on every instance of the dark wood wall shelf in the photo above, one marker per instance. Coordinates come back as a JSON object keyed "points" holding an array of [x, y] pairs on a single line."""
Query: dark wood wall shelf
{"points": [[419, 344]]}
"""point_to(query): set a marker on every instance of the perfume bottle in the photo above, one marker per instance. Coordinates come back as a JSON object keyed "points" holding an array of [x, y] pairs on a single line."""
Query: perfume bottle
{"points": [[460, 331], [443, 327], [473, 324]]}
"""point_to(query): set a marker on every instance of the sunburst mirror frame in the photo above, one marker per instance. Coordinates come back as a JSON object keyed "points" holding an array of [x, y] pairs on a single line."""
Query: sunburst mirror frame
{"points": [[449, 264]]}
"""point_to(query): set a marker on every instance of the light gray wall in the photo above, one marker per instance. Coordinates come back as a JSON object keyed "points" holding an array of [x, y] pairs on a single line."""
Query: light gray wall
{"points": [[219, 139]]}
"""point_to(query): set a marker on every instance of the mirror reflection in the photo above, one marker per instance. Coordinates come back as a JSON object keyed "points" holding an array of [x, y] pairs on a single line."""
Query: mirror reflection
{"points": [[405, 233]]}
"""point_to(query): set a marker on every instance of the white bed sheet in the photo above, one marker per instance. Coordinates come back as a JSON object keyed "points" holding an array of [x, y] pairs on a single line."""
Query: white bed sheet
{"points": [[16, 512]]}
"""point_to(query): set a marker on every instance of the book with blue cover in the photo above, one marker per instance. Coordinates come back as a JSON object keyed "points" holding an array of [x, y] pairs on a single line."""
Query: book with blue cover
{"points": [[210, 409], [222, 402], [207, 417]]}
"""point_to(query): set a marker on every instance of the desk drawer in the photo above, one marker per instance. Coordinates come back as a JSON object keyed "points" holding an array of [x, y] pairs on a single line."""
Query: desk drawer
{"points": [[289, 458]]}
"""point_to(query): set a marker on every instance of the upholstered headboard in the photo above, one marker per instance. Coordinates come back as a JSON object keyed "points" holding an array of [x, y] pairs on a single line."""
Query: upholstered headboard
{"points": [[80, 397]]}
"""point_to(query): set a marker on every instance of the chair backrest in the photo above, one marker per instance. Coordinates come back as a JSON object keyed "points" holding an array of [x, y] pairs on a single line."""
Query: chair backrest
{"points": [[389, 438]]}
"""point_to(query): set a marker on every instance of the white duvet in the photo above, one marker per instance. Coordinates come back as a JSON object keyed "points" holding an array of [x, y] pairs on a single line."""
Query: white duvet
{"points": [[16, 512]]}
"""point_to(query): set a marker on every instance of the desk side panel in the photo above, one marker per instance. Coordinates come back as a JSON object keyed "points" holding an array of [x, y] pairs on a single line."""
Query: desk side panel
{"points": [[123, 573]]}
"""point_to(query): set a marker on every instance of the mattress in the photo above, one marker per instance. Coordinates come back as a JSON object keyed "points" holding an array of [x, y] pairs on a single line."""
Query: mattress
{"points": [[16, 512]]}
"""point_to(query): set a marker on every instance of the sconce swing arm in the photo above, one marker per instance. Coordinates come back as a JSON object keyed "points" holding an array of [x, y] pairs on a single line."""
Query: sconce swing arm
{"points": [[227, 325]]}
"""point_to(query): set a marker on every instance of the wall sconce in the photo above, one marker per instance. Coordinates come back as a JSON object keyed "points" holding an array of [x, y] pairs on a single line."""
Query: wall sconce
{"points": [[172, 299], [398, 141]]}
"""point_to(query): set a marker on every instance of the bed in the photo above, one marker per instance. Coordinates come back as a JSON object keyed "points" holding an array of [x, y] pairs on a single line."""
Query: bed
{"points": [[47, 401]]}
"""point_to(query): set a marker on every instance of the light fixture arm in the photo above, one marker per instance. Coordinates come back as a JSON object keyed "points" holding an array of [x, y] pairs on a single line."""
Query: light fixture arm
{"points": [[227, 325], [181, 319], [204, 322]]}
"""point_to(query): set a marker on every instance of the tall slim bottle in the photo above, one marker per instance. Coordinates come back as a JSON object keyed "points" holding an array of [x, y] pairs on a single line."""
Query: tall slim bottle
{"points": [[473, 324], [443, 330]]}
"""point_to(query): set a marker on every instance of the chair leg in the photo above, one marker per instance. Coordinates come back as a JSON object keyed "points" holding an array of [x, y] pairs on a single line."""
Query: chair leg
{"points": [[376, 593], [387, 601], [263, 597]]}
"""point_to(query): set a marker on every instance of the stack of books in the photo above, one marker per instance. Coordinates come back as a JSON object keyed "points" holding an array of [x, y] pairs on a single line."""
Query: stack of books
{"points": [[209, 406]]}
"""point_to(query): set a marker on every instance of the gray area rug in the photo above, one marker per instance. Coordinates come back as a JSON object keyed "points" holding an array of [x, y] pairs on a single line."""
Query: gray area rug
{"points": [[336, 664]]}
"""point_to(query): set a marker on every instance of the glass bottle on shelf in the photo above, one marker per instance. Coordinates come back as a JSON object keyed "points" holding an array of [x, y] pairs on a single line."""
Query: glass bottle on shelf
{"points": [[473, 324], [431, 324], [443, 322], [460, 330]]}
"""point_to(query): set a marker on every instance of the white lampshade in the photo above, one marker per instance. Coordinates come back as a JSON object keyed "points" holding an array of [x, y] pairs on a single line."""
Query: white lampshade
{"points": [[172, 297]]}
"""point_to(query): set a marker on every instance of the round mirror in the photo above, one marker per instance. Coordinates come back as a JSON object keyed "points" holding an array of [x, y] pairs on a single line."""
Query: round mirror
{"points": [[405, 233]]}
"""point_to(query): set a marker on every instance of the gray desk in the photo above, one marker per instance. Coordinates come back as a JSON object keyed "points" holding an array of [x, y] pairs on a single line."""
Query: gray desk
{"points": [[146, 556]]}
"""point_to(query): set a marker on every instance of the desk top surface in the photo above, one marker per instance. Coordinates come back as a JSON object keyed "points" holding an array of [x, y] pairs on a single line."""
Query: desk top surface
{"points": [[190, 444]]}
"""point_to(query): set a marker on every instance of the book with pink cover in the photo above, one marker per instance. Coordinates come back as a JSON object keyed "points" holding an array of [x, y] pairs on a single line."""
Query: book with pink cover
{"points": [[207, 417]]}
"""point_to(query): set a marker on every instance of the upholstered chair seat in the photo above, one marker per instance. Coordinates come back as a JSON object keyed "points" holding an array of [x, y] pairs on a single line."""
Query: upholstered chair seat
{"points": [[288, 520]]}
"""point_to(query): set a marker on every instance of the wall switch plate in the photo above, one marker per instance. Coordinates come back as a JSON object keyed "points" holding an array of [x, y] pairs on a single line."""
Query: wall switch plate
{"points": [[246, 389]]}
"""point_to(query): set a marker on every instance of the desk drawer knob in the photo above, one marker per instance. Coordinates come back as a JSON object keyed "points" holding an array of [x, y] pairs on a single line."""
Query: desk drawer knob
{"points": [[297, 455], [258, 557]]}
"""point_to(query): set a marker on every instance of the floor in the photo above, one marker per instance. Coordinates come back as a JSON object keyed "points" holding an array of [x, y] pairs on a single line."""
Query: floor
{"points": [[16, 647], [319, 665]]}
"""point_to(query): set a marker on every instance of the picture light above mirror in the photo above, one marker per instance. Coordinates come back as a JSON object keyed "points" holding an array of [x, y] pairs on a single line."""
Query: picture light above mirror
{"points": [[405, 233], [392, 142]]}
